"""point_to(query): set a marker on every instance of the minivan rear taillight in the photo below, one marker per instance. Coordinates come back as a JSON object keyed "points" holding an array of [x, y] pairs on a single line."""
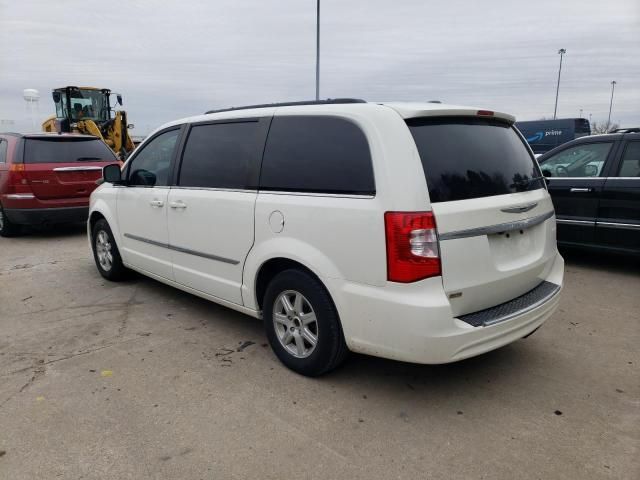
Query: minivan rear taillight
{"points": [[412, 246], [17, 181]]}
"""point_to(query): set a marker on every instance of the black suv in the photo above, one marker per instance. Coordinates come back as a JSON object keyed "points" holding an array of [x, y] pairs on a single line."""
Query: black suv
{"points": [[595, 186]]}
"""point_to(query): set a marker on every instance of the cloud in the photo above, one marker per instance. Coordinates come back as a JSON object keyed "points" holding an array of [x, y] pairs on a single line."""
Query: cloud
{"points": [[173, 59]]}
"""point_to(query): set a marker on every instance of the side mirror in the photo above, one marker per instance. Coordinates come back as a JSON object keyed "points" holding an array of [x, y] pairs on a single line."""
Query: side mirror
{"points": [[56, 96], [546, 173], [131, 126], [143, 178], [112, 173], [590, 170], [119, 99]]}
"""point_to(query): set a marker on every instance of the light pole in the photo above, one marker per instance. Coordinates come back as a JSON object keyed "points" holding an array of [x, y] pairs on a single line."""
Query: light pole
{"points": [[317, 49], [580, 113], [613, 86], [562, 51]]}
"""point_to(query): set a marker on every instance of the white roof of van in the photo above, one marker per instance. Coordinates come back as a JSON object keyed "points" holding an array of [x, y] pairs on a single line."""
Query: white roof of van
{"points": [[404, 109]]}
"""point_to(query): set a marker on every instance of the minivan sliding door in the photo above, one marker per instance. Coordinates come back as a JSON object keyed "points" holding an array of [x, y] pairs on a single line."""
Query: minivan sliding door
{"points": [[211, 207]]}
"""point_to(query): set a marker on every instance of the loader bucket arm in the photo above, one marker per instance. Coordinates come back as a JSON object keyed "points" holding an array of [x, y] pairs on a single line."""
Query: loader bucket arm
{"points": [[90, 127], [117, 132]]}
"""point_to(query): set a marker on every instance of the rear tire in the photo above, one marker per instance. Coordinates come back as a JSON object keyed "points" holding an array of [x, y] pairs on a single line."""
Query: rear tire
{"points": [[302, 324], [106, 253], [7, 228]]}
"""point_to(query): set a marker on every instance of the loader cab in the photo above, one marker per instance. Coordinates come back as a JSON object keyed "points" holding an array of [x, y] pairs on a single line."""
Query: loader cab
{"points": [[75, 104]]}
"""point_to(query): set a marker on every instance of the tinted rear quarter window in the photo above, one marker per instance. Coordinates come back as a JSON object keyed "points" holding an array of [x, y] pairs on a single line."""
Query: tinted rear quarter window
{"points": [[66, 150], [466, 158], [317, 154], [222, 155]]}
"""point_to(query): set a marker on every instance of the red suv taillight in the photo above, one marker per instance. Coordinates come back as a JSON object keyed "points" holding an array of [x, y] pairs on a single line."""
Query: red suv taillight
{"points": [[16, 180], [412, 246]]}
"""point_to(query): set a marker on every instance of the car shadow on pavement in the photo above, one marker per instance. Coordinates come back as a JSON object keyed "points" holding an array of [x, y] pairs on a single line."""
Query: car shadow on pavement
{"points": [[495, 366], [605, 261], [54, 231], [367, 368], [499, 366]]}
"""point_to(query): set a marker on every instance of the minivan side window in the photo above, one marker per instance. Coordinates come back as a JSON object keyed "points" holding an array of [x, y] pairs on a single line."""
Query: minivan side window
{"points": [[150, 167], [221, 155], [586, 160], [630, 166], [321, 154], [3, 151]]}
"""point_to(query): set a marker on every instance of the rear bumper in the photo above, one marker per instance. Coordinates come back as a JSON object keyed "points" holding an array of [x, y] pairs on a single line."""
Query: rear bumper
{"points": [[517, 307], [39, 216], [414, 323]]}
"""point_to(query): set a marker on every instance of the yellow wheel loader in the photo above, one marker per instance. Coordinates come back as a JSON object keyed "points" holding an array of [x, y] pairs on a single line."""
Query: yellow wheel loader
{"points": [[87, 110]]}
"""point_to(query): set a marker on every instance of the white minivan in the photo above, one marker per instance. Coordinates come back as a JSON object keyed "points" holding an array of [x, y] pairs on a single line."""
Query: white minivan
{"points": [[419, 232]]}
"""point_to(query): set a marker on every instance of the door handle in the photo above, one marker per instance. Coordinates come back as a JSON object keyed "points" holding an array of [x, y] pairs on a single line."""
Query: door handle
{"points": [[156, 203], [178, 204], [580, 190]]}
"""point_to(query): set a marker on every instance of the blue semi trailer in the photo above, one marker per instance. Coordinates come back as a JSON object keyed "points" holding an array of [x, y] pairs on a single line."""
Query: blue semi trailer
{"points": [[545, 135]]}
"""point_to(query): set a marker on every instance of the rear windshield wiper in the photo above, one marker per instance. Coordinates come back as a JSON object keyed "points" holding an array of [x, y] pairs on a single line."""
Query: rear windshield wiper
{"points": [[87, 159]]}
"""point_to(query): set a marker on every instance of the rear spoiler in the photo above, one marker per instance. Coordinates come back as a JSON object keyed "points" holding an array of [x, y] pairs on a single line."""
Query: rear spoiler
{"points": [[409, 110]]}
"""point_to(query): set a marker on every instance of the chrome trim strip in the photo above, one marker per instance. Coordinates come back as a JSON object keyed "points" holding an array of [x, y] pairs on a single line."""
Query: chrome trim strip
{"points": [[317, 194], [214, 189], [622, 226], [502, 227], [146, 240], [575, 222], [592, 178], [20, 196], [275, 192], [182, 250], [577, 178], [520, 208], [527, 309], [159, 187], [77, 169]]}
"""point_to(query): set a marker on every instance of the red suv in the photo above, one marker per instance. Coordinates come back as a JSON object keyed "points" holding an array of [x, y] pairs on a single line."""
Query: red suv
{"points": [[47, 178]]}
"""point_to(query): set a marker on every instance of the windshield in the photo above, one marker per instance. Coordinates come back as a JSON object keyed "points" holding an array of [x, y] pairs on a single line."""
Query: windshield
{"points": [[84, 105], [473, 157]]}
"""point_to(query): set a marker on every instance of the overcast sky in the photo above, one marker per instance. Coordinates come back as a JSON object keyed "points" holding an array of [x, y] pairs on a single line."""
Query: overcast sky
{"points": [[172, 59]]}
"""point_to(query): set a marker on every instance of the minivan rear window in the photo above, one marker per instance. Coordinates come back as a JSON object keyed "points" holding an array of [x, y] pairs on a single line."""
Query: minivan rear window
{"points": [[468, 157], [66, 150]]}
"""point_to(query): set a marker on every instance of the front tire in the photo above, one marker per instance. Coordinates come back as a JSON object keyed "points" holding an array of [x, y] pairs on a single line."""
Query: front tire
{"points": [[106, 253], [7, 228], [302, 324]]}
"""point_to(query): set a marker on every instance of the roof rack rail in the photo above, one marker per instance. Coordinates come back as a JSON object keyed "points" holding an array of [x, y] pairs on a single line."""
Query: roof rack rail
{"points": [[328, 101], [626, 130]]}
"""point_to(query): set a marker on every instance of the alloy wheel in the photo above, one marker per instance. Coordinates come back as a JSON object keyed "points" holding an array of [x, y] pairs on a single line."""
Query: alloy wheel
{"points": [[103, 250], [295, 323]]}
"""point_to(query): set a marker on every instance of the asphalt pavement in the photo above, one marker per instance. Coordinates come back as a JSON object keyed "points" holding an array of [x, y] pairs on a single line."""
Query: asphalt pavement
{"points": [[138, 380]]}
